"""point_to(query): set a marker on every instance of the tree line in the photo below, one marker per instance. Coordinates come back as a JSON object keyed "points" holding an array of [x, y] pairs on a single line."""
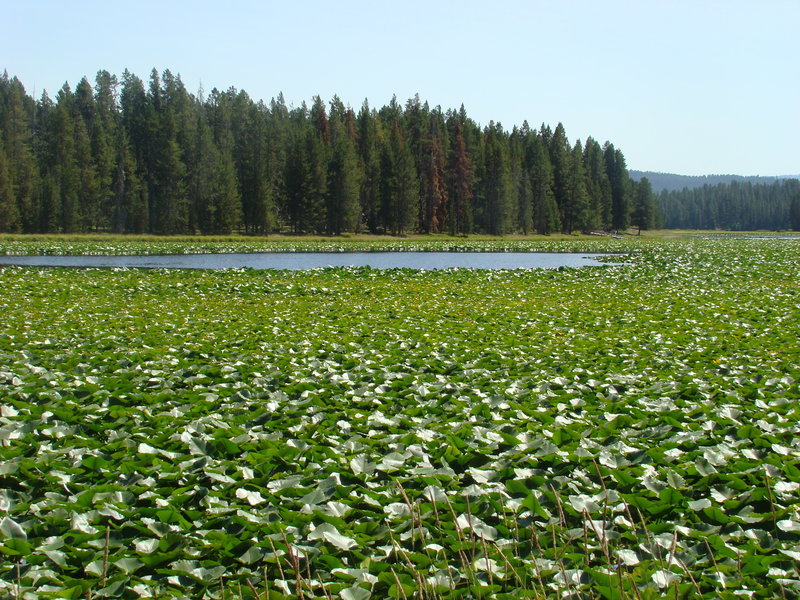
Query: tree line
{"points": [[734, 206], [676, 183], [127, 156]]}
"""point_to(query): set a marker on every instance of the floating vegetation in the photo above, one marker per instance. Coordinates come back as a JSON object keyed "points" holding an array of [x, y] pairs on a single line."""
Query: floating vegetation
{"points": [[617, 432]]}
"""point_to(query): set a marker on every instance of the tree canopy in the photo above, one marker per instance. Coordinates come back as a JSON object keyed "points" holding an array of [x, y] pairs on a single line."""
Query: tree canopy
{"points": [[132, 156]]}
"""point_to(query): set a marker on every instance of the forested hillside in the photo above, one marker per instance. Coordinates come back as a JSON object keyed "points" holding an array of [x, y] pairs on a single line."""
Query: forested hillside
{"points": [[672, 182], [736, 206], [126, 156]]}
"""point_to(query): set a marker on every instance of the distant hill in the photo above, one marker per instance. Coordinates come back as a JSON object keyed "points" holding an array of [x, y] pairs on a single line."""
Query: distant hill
{"points": [[672, 182]]}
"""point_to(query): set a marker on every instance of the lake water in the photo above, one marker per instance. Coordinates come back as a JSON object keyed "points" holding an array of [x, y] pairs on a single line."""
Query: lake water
{"points": [[296, 261]]}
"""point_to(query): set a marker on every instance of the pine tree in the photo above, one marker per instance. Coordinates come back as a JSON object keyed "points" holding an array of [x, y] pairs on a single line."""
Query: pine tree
{"points": [[644, 205], [399, 185], [597, 185], [794, 213], [65, 170], [203, 165], [496, 183], [560, 159], [575, 211], [319, 119], [296, 181], [434, 198], [258, 157], [16, 111], [9, 215], [314, 217], [545, 213], [369, 155], [104, 134], [619, 180], [226, 199], [459, 190], [344, 180], [166, 171]]}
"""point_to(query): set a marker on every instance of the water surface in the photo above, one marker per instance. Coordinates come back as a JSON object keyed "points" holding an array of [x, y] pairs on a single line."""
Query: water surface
{"points": [[296, 261]]}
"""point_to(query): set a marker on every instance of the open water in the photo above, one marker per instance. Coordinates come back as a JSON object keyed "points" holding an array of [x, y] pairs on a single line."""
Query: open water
{"points": [[313, 260]]}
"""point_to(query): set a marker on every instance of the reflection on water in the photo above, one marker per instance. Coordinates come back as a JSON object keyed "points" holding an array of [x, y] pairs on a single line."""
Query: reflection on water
{"points": [[312, 260]]}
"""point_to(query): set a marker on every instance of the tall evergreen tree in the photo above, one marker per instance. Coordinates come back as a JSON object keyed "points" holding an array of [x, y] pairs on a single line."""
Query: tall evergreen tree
{"points": [[545, 214], [575, 212], [9, 215], [619, 180], [296, 181], [399, 187], [496, 182], [597, 185], [344, 179], [560, 159], [794, 213], [369, 155], [644, 205], [104, 133], [459, 185], [16, 112], [434, 197], [65, 169]]}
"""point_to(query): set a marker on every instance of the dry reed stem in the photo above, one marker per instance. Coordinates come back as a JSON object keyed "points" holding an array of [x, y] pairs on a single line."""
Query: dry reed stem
{"points": [[399, 585], [277, 559], [105, 557], [253, 588], [294, 562]]}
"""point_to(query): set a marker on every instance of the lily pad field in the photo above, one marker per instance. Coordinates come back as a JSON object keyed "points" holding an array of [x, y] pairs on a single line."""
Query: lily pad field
{"points": [[629, 431]]}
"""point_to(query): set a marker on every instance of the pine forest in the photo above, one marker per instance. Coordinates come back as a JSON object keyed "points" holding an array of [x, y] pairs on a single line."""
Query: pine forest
{"points": [[125, 156]]}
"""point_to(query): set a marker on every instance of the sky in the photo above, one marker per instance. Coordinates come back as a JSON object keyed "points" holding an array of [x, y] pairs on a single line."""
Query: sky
{"points": [[681, 86]]}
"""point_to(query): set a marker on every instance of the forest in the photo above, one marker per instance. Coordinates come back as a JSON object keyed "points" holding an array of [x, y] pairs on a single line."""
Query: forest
{"points": [[122, 156], [734, 206], [675, 183], [125, 156]]}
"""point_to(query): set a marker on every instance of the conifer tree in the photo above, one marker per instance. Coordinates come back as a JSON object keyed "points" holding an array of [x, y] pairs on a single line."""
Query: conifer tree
{"points": [[399, 186], [496, 182], [314, 218], [65, 170], [344, 180], [434, 198], [794, 213], [296, 181], [103, 136], [226, 199], [203, 165], [9, 216], [560, 160], [89, 197], [319, 120], [369, 192], [459, 189], [124, 215], [545, 212], [597, 185], [644, 206], [16, 111], [619, 180], [575, 212]]}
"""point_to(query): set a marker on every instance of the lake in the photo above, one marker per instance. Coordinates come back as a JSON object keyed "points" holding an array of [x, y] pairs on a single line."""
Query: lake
{"points": [[296, 261]]}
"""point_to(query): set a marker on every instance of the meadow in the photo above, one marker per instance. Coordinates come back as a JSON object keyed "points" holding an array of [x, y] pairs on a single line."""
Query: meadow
{"points": [[618, 432]]}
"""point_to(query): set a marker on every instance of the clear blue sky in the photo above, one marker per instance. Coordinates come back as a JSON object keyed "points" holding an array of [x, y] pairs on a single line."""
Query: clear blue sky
{"points": [[683, 86]]}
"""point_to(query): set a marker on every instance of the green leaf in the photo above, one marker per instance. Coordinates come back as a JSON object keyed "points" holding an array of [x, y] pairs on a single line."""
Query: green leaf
{"points": [[12, 530], [355, 593]]}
